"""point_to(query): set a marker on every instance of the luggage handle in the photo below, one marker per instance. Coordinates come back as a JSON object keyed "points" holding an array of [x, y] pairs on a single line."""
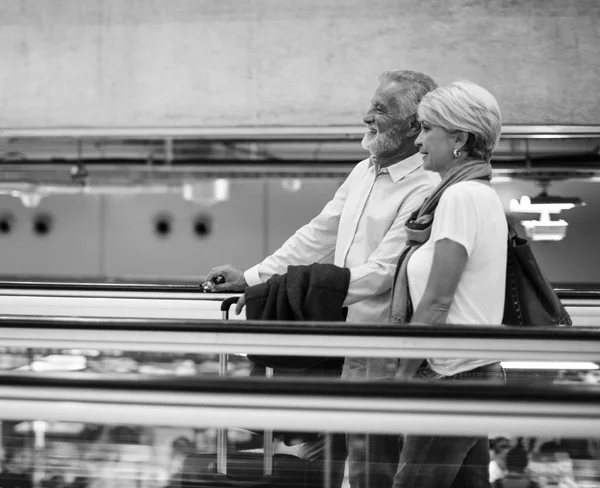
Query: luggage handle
{"points": [[221, 432], [226, 305]]}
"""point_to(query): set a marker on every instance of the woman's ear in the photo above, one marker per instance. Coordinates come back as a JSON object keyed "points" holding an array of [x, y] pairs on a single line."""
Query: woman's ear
{"points": [[460, 139]]}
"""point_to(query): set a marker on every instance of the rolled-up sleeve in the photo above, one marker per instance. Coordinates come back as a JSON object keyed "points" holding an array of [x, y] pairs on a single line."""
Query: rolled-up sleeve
{"points": [[376, 275]]}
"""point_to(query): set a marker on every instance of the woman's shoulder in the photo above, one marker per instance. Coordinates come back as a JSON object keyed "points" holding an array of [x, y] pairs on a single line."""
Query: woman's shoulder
{"points": [[472, 200], [471, 186], [468, 191]]}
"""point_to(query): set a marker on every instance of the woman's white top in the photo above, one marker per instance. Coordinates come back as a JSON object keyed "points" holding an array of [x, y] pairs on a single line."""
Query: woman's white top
{"points": [[471, 214]]}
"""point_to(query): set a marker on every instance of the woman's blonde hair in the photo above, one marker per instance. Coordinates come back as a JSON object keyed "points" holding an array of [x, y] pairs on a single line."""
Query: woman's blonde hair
{"points": [[465, 106]]}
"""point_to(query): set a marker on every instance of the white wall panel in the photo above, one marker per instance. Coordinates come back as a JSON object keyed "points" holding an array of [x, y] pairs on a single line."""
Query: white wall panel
{"points": [[287, 210], [133, 249], [115, 238], [70, 248]]}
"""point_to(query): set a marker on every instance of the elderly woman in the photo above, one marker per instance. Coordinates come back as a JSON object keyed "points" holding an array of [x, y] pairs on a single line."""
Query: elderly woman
{"points": [[453, 270]]}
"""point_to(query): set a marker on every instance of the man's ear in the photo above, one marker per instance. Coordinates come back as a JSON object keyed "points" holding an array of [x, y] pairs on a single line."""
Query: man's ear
{"points": [[414, 126]]}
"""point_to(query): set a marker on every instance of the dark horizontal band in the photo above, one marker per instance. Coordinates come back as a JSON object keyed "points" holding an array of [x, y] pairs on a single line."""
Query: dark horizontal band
{"points": [[564, 290], [589, 334], [303, 387]]}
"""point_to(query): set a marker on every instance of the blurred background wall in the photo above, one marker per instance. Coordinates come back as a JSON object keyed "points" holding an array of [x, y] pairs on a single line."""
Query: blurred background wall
{"points": [[132, 63], [119, 237]]}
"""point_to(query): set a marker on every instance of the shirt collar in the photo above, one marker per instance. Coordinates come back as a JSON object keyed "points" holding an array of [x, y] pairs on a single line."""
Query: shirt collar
{"points": [[402, 168]]}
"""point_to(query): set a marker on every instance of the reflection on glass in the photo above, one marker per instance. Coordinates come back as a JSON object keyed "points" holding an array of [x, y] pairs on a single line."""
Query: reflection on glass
{"points": [[77, 455], [42, 360], [193, 364]]}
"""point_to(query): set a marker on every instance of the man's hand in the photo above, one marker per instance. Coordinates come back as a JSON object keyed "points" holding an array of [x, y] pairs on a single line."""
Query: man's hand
{"points": [[234, 278], [239, 306]]}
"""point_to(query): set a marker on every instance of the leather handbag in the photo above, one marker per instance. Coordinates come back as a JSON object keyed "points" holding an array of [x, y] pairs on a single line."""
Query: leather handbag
{"points": [[530, 299]]}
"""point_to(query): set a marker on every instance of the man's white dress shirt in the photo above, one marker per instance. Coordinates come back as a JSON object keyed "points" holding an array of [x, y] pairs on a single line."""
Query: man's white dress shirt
{"points": [[361, 228]]}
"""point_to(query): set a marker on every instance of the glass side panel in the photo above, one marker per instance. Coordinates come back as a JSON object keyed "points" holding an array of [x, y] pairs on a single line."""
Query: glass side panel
{"points": [[194, 364], [41, 453], [42, 360], [63, 454]]}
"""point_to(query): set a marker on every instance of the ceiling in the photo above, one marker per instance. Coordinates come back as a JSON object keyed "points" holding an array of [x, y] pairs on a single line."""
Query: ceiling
{"points": [[104, 160]]}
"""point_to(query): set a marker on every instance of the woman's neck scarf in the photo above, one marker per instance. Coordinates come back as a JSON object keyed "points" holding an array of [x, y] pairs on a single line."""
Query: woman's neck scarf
{"points": [[418, 230]]}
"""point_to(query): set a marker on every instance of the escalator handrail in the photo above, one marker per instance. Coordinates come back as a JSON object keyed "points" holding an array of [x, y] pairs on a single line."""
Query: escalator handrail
{"points": [[578, 394], [565, 291], [301, 328], [441, 408], [326, 339], [111, 286]]}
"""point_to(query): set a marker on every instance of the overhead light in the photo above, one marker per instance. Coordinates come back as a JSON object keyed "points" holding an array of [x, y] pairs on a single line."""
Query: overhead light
{"points": [[544, 203], [30, 198], [544, 229], [207, 192], [291, 184]]}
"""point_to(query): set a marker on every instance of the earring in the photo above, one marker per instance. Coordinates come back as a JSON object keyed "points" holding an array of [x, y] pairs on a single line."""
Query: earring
{"points": [[456, 153]]}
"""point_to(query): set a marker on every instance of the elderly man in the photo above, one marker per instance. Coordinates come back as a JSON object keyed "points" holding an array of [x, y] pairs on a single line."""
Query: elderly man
{"points": [[362, 228]]}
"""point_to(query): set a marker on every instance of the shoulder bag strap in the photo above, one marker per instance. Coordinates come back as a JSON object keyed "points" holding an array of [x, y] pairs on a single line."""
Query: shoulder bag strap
{"points": [[512, 233]]}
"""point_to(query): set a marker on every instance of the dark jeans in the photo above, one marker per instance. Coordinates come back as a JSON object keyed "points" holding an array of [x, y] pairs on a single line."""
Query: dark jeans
{"points": [[444, 461]]}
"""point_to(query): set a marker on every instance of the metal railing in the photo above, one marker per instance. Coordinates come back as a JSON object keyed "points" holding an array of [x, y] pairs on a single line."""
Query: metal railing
{"points": [[328, 339], [377, 407]]}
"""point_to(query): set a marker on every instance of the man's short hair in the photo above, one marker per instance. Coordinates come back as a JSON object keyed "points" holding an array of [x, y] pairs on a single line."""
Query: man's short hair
{"points": [[465, 106], [415, 86]]}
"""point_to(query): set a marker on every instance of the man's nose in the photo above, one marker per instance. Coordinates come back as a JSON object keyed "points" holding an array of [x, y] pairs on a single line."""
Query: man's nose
{"points": [[368, 117]]}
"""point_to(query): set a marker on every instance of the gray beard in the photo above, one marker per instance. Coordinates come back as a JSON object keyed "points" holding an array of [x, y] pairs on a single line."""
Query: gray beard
{"points": [[383, 143]]}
